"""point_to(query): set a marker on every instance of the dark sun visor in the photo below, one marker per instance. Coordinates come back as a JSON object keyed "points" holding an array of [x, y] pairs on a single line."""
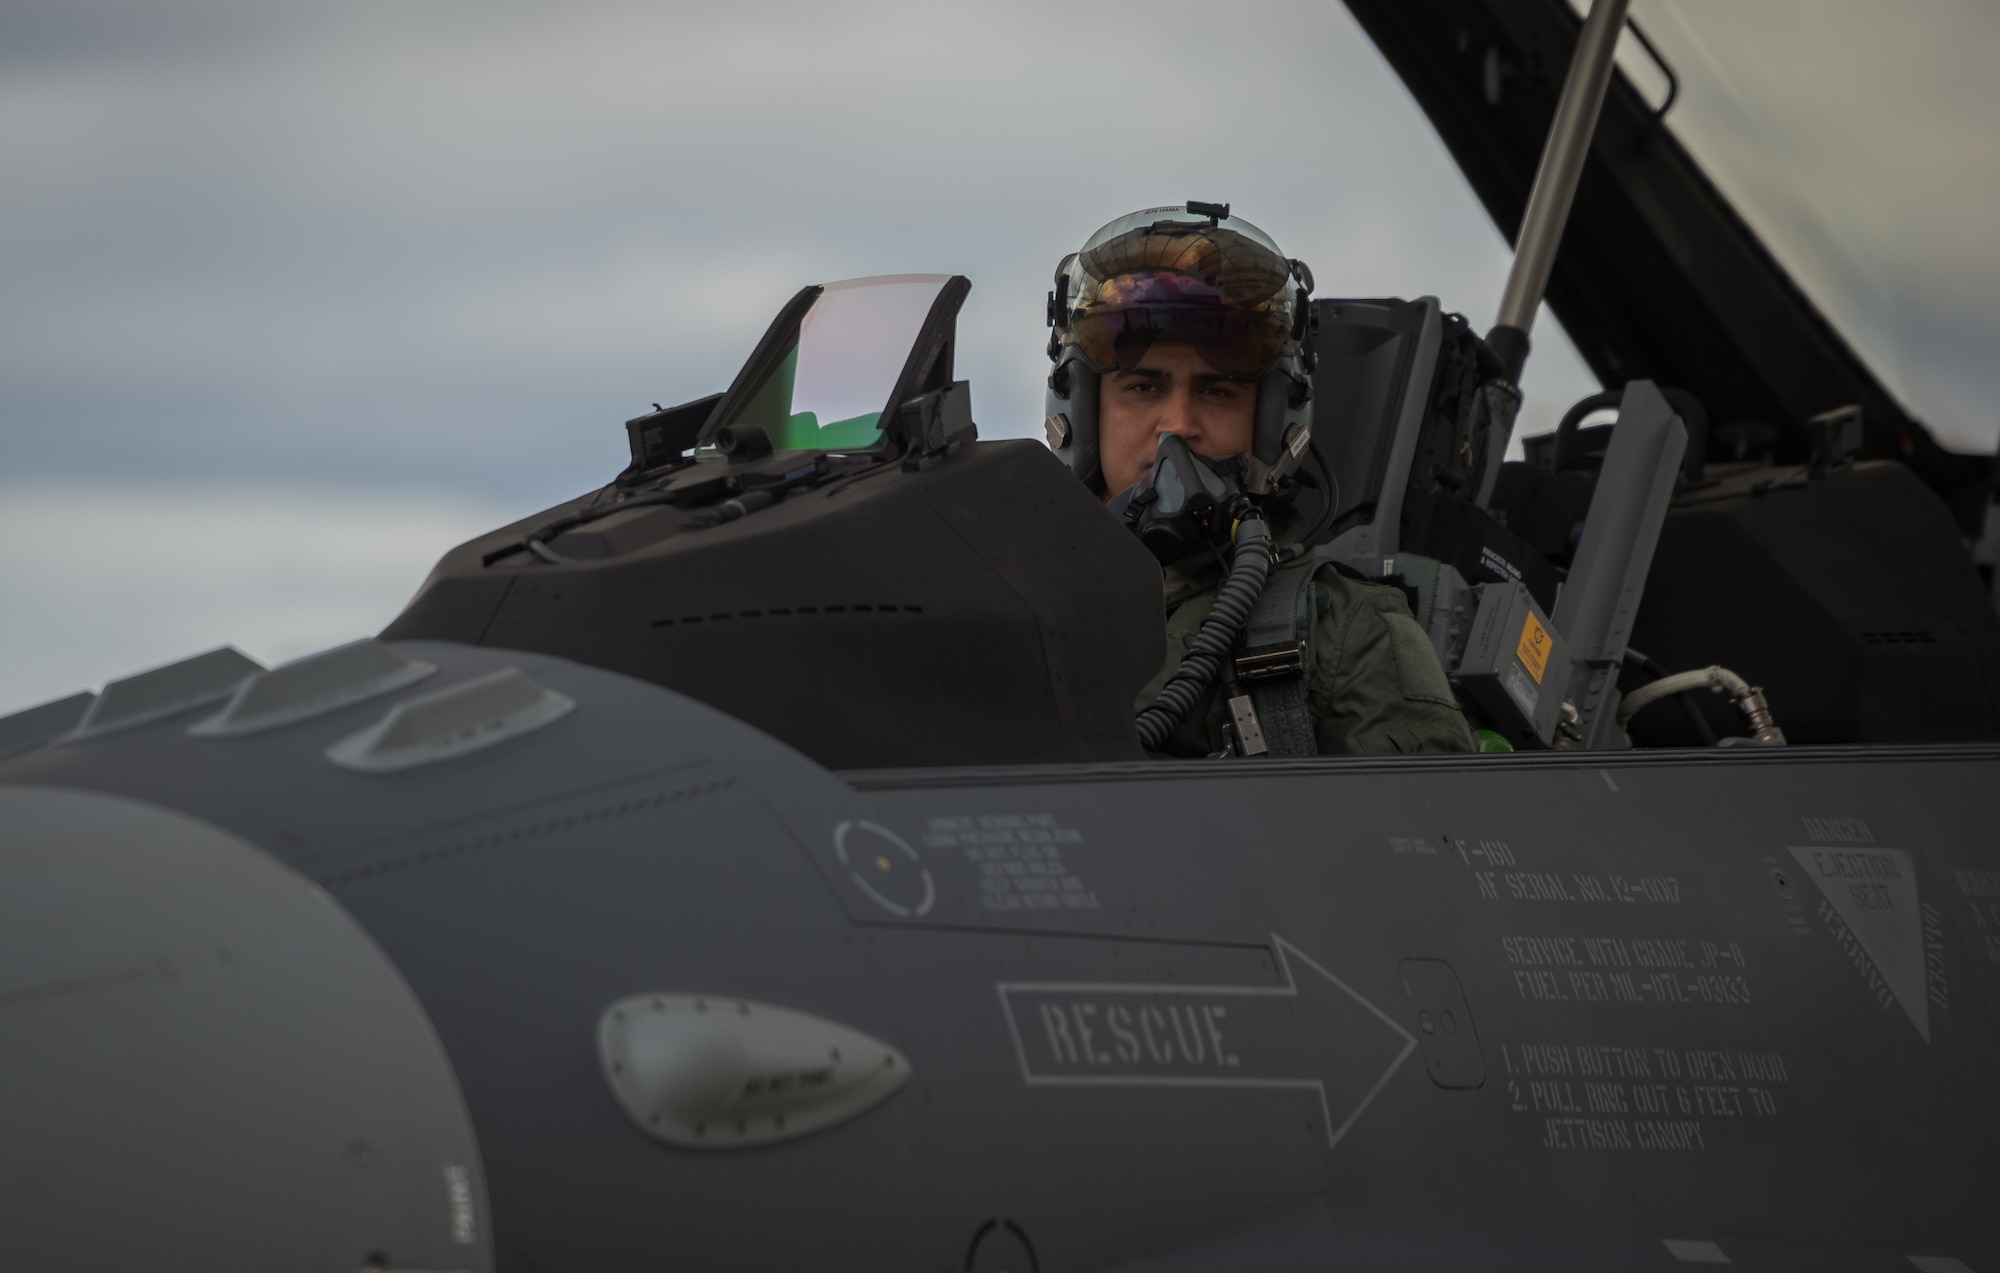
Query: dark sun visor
{"points": [[1163, 275]]}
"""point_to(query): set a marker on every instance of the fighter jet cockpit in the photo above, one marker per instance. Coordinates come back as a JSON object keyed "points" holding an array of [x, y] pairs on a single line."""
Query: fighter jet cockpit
{"points": [[827, 550]]}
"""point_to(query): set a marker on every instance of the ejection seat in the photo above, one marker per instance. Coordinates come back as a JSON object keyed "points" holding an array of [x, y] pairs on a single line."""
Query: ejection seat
{"points": [[1411, 422]]}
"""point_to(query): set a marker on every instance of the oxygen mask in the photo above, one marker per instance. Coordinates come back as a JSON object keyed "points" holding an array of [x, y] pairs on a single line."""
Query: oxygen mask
{"points": [[1185, 505]]}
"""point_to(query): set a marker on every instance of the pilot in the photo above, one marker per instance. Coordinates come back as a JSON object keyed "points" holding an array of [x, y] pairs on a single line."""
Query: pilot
{"points": [[1186, 323]]}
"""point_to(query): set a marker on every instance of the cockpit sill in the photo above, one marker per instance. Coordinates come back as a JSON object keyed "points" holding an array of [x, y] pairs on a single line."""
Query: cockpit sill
{"points": [[1609, 764]]}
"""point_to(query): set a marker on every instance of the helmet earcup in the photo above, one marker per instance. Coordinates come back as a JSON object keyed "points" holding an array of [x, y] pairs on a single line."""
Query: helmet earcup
{"points": [[1274, 389], [1072, 393], [1284, 403]]}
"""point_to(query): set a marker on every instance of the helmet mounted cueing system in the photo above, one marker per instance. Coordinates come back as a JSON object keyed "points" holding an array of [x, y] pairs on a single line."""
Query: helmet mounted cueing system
{"points": [[1190, 273]]}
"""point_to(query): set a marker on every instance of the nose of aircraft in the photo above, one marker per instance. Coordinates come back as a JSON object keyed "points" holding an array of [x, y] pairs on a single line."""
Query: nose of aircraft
{"points": [[206, 1063]]}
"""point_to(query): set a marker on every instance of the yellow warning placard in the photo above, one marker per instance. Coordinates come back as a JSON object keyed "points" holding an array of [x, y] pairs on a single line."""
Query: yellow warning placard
{"points": [[1534, 648]]}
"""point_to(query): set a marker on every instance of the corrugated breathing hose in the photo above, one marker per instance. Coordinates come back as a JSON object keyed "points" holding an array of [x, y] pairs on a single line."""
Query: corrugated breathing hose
{"points": [[1249, 567]]}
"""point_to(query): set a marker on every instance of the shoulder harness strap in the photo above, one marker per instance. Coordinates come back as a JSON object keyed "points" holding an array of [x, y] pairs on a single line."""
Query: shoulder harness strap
{"points": [[1274, 656]]}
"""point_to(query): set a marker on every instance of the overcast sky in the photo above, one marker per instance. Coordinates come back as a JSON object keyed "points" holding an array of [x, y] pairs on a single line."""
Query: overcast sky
{"points": [[295, 296]]}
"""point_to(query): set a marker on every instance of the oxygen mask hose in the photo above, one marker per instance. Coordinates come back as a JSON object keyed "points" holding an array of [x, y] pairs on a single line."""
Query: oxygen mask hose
{"points": [[1249, 567]]}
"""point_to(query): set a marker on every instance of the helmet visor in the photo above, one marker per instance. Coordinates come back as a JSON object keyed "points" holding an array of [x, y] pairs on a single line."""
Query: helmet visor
{"points": [[1223, 289]]}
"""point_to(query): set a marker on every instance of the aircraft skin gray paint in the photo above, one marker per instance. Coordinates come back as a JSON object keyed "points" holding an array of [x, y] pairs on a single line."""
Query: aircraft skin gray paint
{"points": [[1549, 1011], [207, 1064]]}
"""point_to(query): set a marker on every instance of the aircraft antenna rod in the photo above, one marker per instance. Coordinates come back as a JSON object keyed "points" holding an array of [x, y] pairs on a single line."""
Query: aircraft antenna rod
{"points": [[1555, 181]]}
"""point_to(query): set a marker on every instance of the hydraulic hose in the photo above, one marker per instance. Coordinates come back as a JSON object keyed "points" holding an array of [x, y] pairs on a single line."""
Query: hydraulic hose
{"points": [[1651, 667], [1249, 567], [1748, 698]]}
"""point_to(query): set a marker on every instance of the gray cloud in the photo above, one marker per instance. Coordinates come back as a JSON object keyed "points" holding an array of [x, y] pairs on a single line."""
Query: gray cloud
{"points": [[454, 244], [128, 577]]}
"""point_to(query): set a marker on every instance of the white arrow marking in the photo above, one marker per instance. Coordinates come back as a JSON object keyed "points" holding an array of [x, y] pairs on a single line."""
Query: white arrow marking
{"points": [[1286, 953]]}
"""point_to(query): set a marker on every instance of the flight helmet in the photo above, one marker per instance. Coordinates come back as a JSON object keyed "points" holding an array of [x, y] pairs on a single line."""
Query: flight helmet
{"points": [[1194, 273]]}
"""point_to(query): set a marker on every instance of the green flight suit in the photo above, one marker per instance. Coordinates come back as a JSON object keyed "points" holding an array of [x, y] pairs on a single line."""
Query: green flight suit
{"points": [[1375, 687]]}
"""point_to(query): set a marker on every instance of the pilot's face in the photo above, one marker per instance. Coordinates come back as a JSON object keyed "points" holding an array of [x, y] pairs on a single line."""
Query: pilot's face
{"points": [[1171, 391]]}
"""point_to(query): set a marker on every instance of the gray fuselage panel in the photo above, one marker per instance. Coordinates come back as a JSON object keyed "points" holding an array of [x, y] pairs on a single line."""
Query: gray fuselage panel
{"points": [[1412, 1013]]}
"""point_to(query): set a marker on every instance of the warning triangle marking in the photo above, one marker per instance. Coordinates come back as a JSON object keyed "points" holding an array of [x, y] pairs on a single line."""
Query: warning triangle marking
{"points": [[1875, 892]]}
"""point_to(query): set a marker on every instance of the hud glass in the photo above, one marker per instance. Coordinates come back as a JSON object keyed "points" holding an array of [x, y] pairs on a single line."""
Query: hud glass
{"points": [[831, 389]]}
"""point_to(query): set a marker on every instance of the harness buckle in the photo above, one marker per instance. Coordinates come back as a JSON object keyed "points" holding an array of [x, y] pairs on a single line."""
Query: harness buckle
{"points": [[1272, 662]]}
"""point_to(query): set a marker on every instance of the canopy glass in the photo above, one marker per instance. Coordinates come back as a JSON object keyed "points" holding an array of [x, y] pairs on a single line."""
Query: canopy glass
{"points": [[1858, 141]]}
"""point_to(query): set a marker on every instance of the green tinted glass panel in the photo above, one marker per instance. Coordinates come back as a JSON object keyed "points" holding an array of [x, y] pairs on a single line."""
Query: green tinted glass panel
{"points": [[862, 430], [770, 408], [832, 386]]}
